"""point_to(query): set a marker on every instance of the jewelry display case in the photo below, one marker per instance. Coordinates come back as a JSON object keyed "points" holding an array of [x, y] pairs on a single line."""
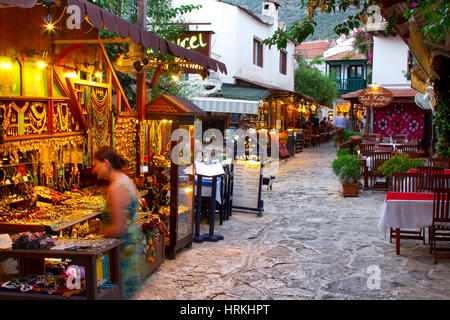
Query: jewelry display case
{"points": [[166, 160]]}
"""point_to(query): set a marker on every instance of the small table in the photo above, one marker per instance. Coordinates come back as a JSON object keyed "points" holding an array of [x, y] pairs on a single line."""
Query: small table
{"points": [[406, 210], [83, 258]]}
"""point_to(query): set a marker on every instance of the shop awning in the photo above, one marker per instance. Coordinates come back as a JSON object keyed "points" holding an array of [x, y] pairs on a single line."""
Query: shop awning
{"points": [[100, 18], [233, 91], [275, 91], [19, 3], [212, 104]]}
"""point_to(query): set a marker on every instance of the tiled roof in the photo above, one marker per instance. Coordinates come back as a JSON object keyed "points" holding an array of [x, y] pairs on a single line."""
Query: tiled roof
{"points": [[396, 93], [348, 55], [310, 50]]}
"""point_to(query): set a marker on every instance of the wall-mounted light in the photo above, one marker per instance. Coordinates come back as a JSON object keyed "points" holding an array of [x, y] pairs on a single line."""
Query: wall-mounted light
{"points": [[6, 64], [42, 59], [49, 23], [97, 71], [176, 76], [139, 64]]}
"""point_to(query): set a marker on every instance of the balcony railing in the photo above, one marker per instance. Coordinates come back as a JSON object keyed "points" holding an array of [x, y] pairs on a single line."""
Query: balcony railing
{"points": [[350, 85]]}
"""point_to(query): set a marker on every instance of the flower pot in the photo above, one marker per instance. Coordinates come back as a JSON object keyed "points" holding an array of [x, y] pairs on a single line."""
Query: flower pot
{"points": [[350, 190]]}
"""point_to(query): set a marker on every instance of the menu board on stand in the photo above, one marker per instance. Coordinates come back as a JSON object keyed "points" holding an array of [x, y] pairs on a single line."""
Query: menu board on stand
{"points": [[247, 186]]}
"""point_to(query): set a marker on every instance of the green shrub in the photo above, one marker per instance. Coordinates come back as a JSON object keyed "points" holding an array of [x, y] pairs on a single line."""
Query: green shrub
{"points": [[341, 152], [347, 167], [399, 163]]}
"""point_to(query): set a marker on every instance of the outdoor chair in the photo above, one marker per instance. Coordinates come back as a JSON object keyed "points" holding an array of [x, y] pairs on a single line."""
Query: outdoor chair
{"points": [[372, 137], [407, 182], [434, 181], [377, 160], [400, 138], [307, 138], [411, 151], [365, 149], [315, 137], [385, 148], [440, 229], [439, 163]]}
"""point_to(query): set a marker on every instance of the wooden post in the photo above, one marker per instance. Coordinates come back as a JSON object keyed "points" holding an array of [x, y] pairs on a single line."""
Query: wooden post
{"points": [[140, 81]]}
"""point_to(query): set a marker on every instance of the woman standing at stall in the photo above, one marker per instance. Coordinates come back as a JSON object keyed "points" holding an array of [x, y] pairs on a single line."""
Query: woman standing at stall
{"points": [[120, 219]]}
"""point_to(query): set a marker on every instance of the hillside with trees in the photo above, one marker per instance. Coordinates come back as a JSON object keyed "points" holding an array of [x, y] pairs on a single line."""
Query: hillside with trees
{"points": [[291, 12]]}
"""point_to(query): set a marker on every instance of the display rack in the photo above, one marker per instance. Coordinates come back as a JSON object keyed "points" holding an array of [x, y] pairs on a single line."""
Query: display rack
{"points": [[87, 259], [180, 113]]}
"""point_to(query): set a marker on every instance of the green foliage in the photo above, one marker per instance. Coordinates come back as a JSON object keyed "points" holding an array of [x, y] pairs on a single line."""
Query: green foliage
{"points": [[436, 14], [341, 152], [312, 82], [345, 136], [347, 168], [399, 163], [441, 120]]}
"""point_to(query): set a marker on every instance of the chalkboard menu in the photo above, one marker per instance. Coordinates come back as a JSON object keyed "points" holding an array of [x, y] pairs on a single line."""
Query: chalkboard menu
{"points": [[247, 185]]}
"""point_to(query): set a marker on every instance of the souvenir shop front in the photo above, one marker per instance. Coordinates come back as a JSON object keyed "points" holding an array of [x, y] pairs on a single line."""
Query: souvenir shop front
{"points": [[60, 100]]}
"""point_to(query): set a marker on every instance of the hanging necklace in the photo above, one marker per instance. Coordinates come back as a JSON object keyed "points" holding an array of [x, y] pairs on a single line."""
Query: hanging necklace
{"points": [[63, 118]]}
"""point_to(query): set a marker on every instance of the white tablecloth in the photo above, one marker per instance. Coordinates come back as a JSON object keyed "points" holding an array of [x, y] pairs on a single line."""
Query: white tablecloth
{"points": [[406, 214]]}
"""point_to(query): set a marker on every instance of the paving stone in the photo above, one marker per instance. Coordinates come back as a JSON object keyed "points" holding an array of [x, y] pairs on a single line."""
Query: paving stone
{"points": [[310, 243]]}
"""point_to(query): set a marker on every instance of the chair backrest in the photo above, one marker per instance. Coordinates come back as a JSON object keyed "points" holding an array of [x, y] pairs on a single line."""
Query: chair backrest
{"points": [[414, 143], [406, 182], [379, 158], [385, 148], [371, 137], [307, 133], [410, 150], [430, 170], [400, 138], [386, 140], [365, 149], [434, 181], [439, 163], [441, 205]]}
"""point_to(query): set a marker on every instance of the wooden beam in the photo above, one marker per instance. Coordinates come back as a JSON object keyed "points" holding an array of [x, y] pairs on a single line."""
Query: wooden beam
{"points": [[93, 41], [115, 80]]}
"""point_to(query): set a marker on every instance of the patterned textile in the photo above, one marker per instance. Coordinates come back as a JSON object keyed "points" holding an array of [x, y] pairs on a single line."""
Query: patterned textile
{"points": [[399, 118]]}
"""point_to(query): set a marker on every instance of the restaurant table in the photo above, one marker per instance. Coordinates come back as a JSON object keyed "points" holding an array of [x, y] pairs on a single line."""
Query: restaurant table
{"points": [[405, 211]]}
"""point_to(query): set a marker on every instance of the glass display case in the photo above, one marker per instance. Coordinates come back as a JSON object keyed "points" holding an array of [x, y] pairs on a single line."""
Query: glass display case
{"points": [[166, 163]]}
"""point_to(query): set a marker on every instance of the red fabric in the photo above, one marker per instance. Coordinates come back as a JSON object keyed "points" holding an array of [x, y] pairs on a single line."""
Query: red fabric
{"points": [[446, 171], [409, 196]]}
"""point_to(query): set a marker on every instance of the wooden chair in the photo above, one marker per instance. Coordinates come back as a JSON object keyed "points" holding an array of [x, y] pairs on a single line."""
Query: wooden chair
{"points": [[409, 150], [434, 181], [386, 140], [377, 160], [440, 229], [365, 149], [385, 148], [407, 182], [414, 143], [372, 137], [439, 163], [307, 138], [315, 137], [400, 138]]}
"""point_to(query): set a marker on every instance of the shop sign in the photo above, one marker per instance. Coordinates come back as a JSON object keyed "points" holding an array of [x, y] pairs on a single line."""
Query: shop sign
{"points": [[199, 41], [375, 97], [421, 52]]}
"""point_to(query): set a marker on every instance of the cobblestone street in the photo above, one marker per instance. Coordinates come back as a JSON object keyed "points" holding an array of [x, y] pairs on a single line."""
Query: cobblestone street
{"points": [[311, 243]]}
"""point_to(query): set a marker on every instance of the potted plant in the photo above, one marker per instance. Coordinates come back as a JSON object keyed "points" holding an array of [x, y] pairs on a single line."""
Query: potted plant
{"points": [[399, 163], [347, 168]]}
